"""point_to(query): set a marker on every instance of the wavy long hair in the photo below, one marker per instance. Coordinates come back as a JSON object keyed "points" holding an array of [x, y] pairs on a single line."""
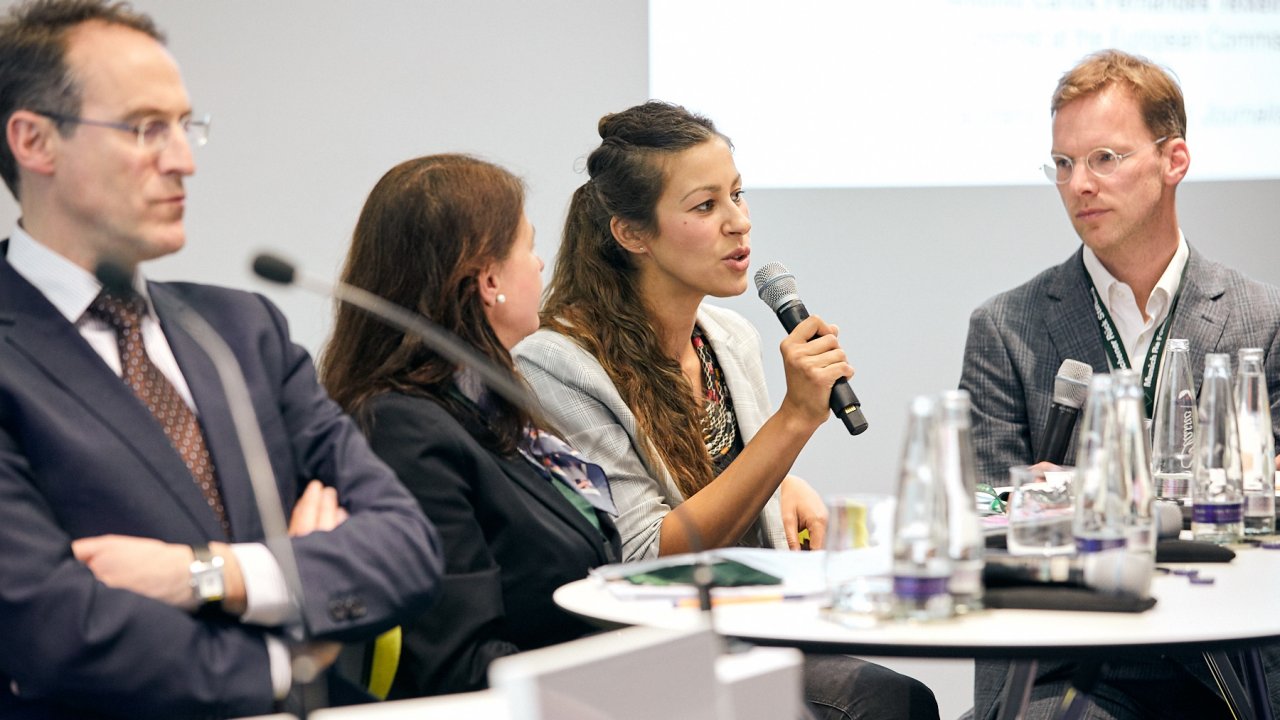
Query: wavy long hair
{"points": [[594, 297], [428, 229]]}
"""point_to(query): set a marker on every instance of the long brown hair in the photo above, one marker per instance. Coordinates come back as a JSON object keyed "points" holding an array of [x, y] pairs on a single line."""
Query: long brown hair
{"points": [[594, 299], [428, 229]]}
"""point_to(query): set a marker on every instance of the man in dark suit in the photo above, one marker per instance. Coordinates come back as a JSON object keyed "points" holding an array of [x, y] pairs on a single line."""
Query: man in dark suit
{"points": [[1119, 153], [133, 577]]}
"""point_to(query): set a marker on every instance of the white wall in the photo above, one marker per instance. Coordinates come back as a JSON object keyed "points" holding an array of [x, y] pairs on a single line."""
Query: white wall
{"points": [[313, 101], [311, 108]]}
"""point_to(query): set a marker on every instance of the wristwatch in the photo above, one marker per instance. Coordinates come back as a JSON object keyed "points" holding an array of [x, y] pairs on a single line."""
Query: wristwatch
{"points": [[207, 584]]}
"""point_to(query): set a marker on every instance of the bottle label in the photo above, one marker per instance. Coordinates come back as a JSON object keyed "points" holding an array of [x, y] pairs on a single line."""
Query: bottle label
{"points": [[966, 580], [909, 586], [1217, 514], [1171, 485], [1094, 545], [1187, 402], [1260, 505]]}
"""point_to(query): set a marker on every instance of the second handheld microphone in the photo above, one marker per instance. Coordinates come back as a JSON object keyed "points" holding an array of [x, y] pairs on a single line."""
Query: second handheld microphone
{"points": [[1070, 388], [777, 288]]}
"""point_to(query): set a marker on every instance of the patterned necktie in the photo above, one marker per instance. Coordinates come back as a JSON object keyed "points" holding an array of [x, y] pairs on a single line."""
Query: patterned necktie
{"points": [[158, 394]]}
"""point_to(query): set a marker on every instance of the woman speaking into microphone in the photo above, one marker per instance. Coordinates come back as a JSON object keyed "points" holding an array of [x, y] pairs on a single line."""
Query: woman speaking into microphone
{"points": [[666, 392]]}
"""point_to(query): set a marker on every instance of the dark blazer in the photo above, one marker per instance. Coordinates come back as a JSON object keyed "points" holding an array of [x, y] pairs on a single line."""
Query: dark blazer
{"points": [[80, 456], [1018, 340], [510, 539]]}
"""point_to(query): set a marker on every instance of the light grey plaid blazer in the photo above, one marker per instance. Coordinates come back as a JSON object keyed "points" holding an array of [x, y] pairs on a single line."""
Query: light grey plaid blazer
{"points": [[1018, 340], [582, 401]]}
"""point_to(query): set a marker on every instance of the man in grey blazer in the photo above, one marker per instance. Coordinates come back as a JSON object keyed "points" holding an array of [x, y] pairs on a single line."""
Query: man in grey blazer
{"points": [[1119, 153]]}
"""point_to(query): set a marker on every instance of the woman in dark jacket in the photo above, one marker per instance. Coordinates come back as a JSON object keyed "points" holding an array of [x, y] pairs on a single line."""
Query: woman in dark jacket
{"points": [[520, 513]]}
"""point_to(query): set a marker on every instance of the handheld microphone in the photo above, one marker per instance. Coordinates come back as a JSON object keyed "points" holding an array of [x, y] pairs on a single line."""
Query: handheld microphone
{"points": [[1070, 388], [275, 528], [449, 346], [1114, 572], [777, 288], [1168, 517]]}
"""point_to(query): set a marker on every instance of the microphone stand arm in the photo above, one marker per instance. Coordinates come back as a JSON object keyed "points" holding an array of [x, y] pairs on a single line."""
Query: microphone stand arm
{"points": [[305, 671], [441, 341]]}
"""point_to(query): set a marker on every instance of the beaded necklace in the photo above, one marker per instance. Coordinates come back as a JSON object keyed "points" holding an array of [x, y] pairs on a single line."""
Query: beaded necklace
{"points": [[719, 424]]}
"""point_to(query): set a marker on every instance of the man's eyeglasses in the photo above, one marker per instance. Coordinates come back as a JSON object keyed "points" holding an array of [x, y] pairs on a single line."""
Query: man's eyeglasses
{"points": [[153, 134], [1100, 161]]}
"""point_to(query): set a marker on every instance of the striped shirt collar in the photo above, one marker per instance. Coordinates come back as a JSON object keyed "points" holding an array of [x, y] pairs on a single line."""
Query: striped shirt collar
{"points": [[69, 287]]}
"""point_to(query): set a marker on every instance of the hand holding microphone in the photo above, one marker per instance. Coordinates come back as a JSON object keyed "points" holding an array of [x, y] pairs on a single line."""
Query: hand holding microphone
{"points": [[777, 288], [812, 361]]}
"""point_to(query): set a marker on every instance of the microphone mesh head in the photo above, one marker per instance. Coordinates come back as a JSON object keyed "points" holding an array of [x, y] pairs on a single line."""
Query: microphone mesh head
{"points": [[115, 277], [776, 285], [273, 268], [1071, 386]]}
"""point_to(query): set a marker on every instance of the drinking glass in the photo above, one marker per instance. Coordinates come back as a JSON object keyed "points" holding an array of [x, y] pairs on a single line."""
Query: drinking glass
{"points": [[1041, 507], [859, 547]]}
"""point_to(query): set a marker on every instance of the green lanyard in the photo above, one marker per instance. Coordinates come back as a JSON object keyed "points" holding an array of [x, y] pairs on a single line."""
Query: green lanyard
{"points": [[1117, 358]]}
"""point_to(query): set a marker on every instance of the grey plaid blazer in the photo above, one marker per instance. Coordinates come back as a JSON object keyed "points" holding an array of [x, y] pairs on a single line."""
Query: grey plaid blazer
{"points": [[583, 403], [1018, 340]]}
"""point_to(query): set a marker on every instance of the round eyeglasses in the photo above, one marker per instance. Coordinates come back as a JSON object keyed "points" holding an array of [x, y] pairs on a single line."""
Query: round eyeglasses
{"points": [[1100, 161], [153, 134]]}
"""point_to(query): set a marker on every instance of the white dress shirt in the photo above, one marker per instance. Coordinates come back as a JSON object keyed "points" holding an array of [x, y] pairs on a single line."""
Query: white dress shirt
{"points": [[71, 289], [1118, 298]]}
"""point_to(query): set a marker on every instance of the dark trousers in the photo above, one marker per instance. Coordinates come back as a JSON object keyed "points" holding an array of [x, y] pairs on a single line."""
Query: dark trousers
{"points": [[1158, 688], [842, 687]]}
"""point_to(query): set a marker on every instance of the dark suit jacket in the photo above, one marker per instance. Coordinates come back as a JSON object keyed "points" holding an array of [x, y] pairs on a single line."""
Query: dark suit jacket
{"points": [[510, 539], [1018, 340], [80, 456]]}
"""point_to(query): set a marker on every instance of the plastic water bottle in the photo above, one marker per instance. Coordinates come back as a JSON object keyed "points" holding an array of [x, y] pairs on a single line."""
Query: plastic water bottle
{"points": [[1173, 443], [1257, 444], [957, 467], [1217, 513], [921, 563]]}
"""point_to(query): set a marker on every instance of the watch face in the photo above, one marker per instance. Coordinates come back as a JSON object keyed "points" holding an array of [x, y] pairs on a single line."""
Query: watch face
{"points": [[209, 584]]}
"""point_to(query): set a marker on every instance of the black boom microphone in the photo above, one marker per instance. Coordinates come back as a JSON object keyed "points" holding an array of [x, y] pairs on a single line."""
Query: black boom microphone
{"points": [[118, 279], [1070, 388], [446, 344], [777, 288]]}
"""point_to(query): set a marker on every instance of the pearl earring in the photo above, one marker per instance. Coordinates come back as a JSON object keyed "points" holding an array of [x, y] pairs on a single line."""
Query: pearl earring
{"points": [[501, 298]]}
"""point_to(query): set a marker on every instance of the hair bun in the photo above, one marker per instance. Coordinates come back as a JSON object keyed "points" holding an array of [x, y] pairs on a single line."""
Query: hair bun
{"points": [[613, 127], [627, 137], [654, 124]]}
